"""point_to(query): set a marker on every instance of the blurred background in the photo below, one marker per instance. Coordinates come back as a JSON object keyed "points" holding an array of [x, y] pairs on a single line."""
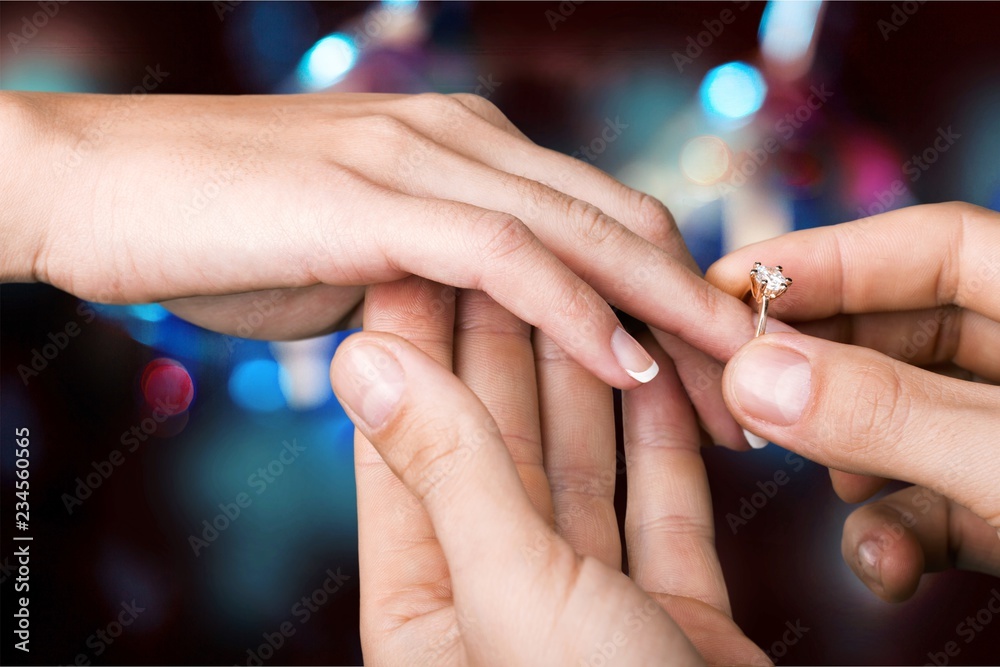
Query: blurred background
{"points": [[207, 481]]}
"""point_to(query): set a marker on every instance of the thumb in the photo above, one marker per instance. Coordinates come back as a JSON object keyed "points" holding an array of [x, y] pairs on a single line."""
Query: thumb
{"points": [[442, 443], [857, 410]]}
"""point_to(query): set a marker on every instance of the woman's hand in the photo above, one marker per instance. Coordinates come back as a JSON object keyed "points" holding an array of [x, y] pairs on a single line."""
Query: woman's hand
{"points": [[276, 210], [487, 530], [914, 287]]}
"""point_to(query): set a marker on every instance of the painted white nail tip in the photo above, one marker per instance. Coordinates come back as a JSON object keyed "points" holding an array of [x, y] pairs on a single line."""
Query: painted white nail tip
{"points": [[755, 441], [646, 375]]}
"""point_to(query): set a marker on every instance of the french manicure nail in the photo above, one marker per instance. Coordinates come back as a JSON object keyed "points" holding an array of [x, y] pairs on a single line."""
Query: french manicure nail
{"points": [[632, 357], [772, 383], [374, 383], [755, 441]]}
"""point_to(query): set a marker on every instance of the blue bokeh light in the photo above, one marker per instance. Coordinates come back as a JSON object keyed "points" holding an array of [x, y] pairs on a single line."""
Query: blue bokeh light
{"points": [[255, 385], [149, 312], [787, 28], [733, 91], [328, 61]]}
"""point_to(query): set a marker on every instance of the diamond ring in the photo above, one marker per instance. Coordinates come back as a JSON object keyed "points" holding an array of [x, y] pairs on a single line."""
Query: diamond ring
{"points": [[766, 284]]}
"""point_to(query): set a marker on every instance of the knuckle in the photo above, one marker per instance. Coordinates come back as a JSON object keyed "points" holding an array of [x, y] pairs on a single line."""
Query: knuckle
{"points": [[594, 226], [654, 222], [428, 461], [705, 298], [961, 210], [877, 411], [577, 302], [446, 109], [478, 105], [390, 131], [387, 126], [502, 237]]}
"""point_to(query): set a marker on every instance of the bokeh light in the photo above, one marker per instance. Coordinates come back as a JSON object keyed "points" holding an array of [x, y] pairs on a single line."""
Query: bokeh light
{"points": [[167, 385], [150, 312], [787, 28], [705, 160], [400, 5], [255, 385], [328, 61], [733, 91]]}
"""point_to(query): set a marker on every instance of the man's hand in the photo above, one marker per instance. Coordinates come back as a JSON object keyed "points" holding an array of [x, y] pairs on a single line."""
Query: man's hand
{"points": [[487, 531]]}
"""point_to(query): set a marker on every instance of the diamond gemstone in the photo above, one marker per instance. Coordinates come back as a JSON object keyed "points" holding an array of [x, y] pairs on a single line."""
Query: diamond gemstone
{"points": [[770, 279]]}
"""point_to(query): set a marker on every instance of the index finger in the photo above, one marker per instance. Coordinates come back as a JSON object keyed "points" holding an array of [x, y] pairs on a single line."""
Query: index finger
{"points": [[917, 257]]}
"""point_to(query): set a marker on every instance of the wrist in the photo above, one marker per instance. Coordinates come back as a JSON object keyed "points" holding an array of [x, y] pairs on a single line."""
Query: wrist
{"points": [[24, 205]]}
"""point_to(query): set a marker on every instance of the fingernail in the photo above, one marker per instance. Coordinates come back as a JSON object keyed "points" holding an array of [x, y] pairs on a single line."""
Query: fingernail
{"points": [[869, 554], [373, 385], [632, 357], [772, 383], [755, 441]]}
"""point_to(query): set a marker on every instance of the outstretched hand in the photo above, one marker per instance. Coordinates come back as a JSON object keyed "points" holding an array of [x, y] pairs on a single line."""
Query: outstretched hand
{"points": [[264, 217]]}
